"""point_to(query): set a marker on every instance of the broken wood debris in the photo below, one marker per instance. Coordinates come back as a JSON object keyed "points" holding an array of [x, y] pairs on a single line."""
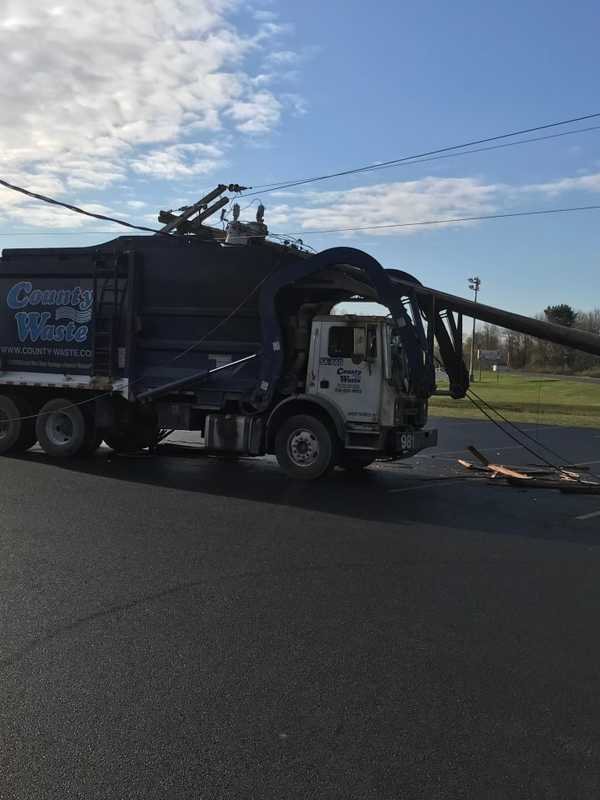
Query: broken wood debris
{"points": [[565, 480]]}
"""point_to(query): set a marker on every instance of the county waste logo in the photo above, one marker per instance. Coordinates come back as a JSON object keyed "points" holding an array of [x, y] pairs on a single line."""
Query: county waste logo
{"points": [[67, 320]]}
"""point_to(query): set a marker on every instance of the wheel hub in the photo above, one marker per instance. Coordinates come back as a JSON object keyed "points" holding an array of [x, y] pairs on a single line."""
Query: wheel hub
{"points": [[59, 428], [303, 448]]}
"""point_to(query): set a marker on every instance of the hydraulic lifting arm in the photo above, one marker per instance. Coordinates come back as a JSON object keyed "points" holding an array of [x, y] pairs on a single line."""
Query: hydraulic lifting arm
{"points": [[423, 316]]}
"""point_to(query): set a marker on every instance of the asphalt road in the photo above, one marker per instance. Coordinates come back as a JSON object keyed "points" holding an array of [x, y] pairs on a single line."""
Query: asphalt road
{"points": [[181, 627]]}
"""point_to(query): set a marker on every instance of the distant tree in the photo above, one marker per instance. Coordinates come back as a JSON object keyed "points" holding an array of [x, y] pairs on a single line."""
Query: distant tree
{"points": [[556, 356], [587, 321], [527, 352], [488, 338], [519, 349], [562, 314]]}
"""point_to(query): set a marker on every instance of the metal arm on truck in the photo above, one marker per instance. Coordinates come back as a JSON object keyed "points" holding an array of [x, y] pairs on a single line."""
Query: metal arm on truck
{"points": [[422, 317], [410, 303]]}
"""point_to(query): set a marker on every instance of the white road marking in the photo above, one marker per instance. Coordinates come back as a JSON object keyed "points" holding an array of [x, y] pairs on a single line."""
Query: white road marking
{"points": [[589, 516]]}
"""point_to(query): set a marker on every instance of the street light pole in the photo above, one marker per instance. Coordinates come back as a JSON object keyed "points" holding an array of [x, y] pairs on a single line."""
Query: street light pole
{"points": [[474, 285]]}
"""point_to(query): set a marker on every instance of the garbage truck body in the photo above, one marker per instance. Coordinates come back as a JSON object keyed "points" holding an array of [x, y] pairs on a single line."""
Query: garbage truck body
{"points": [[143, 335]]}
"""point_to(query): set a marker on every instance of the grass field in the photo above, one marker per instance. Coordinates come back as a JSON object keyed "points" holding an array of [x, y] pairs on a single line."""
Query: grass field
{"points": [[547, 401]]}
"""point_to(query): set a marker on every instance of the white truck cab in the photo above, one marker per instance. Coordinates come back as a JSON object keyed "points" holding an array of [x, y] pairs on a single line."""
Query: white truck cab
{"points": [[356, 365], [349, 405], [349, 365]]}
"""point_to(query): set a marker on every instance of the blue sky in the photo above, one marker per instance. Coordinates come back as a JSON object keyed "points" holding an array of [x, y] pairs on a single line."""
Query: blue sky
{"points": [[131, 109]]}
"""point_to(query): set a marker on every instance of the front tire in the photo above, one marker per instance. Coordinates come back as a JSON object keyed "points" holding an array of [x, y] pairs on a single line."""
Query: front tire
{"points": [[17, 425], [305, 447], [61, 428]]}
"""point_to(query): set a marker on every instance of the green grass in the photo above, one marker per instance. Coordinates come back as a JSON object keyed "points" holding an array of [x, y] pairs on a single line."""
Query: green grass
{"points": [[547, 401]]}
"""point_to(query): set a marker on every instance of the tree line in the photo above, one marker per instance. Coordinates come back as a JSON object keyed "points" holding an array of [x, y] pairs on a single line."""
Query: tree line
{"points": [[526, 352]]}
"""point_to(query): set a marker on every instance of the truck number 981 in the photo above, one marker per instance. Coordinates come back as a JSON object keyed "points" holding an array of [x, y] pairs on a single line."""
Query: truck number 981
{"points": [[407, 441]]}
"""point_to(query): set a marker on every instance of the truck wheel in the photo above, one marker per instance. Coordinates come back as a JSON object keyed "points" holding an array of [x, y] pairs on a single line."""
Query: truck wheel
{"points": [[305, 448], [62, 430], [16, 434], [355, 462]]}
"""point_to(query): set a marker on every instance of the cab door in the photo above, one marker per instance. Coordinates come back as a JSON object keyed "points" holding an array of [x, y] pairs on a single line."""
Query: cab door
{"points": [[349, 369]]}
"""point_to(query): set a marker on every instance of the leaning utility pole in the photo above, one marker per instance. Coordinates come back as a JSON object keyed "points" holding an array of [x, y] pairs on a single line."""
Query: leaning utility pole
{"points": [[474, 284]]}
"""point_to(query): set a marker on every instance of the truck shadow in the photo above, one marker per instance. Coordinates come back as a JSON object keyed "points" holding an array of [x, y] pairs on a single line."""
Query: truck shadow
{"points": [[400, 495]]}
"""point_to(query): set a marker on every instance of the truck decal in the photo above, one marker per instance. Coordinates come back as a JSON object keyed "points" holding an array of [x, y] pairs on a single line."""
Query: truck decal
{"points": [[73, 304], [326, 361], [349, 381], [48, 324]]}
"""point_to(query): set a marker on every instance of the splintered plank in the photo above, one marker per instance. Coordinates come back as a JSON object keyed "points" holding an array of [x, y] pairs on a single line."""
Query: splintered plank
{"points": [[566, 481], [498, 469]]}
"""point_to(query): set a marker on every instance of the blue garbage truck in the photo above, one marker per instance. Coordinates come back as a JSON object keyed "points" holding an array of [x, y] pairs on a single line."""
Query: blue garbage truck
{"points": [[125, 341]]}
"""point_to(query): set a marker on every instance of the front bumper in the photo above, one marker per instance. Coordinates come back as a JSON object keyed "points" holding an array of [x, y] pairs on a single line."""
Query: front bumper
{"points": [[390, 442], [407, 443]]}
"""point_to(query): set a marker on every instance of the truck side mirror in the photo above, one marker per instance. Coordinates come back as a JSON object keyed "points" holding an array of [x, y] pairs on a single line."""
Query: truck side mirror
{"points": [[371, 343], [359, 353]]}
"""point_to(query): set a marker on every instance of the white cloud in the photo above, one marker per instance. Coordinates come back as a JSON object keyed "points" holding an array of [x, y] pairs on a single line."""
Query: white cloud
{"points": [[90, 91], [39, 215], [386, 203], [283, 57], [179, 161], [296, 102], [284, 62], [256, 115], [587, 183], [265, 16], [431, 198]]}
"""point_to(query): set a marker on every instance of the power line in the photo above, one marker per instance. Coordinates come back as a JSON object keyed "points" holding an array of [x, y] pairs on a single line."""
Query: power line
{"points": [[499, 425], [562, 460], [59, 233], [492, 147], [271, 187], [418, 223], [78, 210], [482, 217]]}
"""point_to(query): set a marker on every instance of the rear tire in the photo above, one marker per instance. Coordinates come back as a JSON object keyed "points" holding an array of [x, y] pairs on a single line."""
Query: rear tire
{"points": [[62, 430], [355, 462], [305, 447], [16, 434]]}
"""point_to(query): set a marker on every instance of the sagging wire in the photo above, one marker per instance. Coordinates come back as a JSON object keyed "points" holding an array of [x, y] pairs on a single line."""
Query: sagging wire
{"points": [[449, 150], [481, 404], [525, 447], [526, 434], [77, 209]]}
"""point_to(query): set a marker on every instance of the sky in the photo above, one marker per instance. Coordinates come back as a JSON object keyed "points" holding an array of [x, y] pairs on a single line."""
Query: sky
{"points": [[128, 108]]}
